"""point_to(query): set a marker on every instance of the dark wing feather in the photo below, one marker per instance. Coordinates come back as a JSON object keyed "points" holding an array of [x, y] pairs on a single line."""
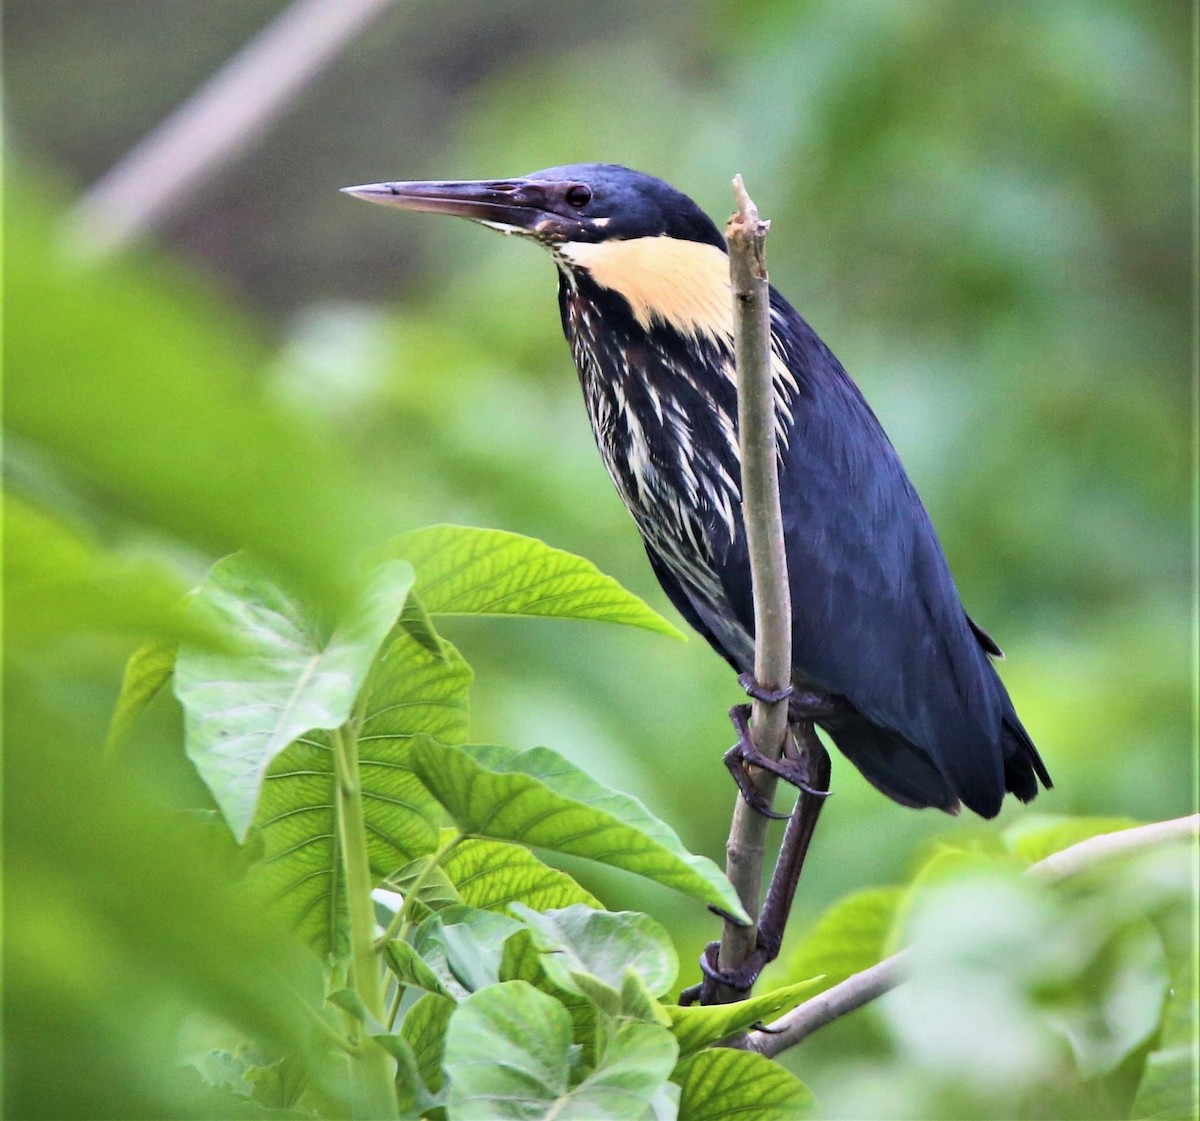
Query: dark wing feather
{"points": [[877, 617]]}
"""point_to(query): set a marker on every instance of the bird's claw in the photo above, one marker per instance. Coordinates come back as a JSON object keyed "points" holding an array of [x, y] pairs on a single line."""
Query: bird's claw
{"points": [[740, 979], [744, 754], [728, 916], [760, 692]]}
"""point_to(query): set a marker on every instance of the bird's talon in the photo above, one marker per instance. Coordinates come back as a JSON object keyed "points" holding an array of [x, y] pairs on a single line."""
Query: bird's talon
{"points": [[728, 916], [760, 692]]}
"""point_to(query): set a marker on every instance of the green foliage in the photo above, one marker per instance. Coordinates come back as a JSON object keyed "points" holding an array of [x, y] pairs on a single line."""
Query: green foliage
{"points": [[538, 798], [282, 678], [464, 571], [152, 425], [738, 1083]]}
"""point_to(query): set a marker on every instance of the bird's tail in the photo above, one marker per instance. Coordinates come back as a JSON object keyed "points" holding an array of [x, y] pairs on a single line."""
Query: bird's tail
{"points": [[890, 763], [906, 773]]}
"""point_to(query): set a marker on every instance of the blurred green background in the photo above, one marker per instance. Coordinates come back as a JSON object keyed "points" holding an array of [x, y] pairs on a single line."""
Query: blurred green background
{"points": [[983, 208]]}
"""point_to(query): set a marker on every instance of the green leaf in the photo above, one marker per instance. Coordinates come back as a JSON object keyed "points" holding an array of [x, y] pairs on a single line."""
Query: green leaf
{"points": [[464, 945], [410, 969], [436, 889], [538, 798], [56, 582], [492, 874], [849, 937], [697, 1026], [409, 692], [243, 708], [412, 1096], [1036, 836], [724, 1083], [509, 1055], [1170, 1088], [465, 571], [424, 1030], [630, 1079], [149, 668], [578, 943], [141, 385], [416, 621], [522, 961]]}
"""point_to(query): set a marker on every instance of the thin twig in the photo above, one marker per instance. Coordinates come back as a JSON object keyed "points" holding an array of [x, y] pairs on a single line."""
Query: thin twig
{"points": [[215, 124], [746, 234], [863, 987]]}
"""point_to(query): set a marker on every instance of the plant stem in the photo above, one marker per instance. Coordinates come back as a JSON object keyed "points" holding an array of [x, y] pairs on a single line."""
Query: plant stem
{"points": [[373, 1067], [410, 897], [768, 561], [861, 988]]}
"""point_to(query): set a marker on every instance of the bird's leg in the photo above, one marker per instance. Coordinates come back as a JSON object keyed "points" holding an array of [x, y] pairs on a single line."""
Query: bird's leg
{"points": [[810, 759]]}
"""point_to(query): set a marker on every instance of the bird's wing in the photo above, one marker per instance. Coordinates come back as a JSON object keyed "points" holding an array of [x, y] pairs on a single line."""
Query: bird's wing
{"points": [[876, 616]]}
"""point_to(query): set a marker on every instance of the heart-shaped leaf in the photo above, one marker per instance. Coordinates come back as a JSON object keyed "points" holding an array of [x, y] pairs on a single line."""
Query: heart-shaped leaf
{"points": [[243, 707], [410, 692]]}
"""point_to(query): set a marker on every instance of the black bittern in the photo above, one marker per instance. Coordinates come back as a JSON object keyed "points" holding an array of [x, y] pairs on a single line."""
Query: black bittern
{"points": [[885, 658]]}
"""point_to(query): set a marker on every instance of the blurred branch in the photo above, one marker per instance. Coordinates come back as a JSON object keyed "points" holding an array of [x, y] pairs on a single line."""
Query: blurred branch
{"points": [[862, 988], [746, 235], [215, 125]]}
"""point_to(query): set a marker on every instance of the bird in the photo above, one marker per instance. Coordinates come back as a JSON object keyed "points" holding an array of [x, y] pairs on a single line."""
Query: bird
{"points": [[885, 659]]}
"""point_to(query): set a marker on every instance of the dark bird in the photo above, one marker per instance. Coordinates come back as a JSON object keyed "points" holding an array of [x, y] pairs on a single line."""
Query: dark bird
{"points": [[885, 658]]}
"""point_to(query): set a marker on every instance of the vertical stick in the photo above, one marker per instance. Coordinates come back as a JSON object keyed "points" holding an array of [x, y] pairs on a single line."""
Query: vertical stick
{"points": [[761, 515]]}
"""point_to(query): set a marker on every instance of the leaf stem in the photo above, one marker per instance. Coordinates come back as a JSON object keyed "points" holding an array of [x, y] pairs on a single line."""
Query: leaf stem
{"points": [[402, 916], [373, 1066]]}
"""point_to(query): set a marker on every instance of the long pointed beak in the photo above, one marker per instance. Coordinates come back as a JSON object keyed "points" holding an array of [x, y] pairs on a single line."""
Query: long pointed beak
{"points": [[512, 203]]}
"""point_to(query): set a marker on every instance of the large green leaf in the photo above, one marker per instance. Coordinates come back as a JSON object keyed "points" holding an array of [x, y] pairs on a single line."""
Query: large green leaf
{"points": [[139, 383], [57, 582], [538, 798], [410, 691], [509, 1055], [492, 874], [244, 707], [724, 1083], [465, 571], [849, 937], [584, 949], [697, 1026]]}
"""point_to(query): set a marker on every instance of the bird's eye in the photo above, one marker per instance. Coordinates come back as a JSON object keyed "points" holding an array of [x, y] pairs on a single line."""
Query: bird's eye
{"points": [[578, 195]]}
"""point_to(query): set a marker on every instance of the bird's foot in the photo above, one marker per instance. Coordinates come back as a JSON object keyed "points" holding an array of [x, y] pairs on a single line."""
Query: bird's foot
{"points": [[743, 755], [760, 692], [740, 979]]}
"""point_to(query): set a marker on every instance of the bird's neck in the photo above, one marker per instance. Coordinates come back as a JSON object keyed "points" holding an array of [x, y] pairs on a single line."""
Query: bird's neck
{"points": [[667, 282], [663, 408]]}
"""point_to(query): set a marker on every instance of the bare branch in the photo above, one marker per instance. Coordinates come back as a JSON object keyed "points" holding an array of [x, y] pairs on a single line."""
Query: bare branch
{"points": [[768, 563], [215, 124], [884, 976]]}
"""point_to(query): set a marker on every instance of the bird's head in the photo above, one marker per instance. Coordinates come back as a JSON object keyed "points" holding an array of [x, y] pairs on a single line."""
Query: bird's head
{"points": [[630, 233], [585, 202]]}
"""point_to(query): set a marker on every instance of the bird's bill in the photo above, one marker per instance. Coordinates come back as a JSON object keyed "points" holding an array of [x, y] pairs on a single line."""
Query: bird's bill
{"points": [[515, 204]]}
